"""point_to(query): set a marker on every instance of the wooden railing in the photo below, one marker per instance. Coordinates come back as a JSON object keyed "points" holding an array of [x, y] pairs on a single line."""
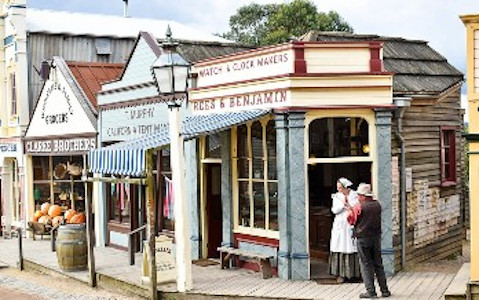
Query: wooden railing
{"points": [[131, 251]]}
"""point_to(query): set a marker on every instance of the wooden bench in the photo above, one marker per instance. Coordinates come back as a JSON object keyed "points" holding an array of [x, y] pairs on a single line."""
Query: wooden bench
{"points": [[264, 261]]}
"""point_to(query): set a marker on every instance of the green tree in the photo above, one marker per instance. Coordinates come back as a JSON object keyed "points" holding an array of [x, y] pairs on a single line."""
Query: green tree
{"points": [[268, 24]]}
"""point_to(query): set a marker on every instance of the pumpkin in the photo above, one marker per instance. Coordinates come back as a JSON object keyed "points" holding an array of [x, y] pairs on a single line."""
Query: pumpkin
{"points": [[44, 220], [37, 215], [78, 219], [54, 211], [45, 207], [57, 221], [69, 214]]}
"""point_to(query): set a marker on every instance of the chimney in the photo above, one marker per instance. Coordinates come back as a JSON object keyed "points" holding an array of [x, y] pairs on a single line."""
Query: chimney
{"points": [[45, 70]]}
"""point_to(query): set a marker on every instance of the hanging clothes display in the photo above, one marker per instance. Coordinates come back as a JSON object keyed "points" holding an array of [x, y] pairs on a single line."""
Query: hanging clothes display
{"points": [[168, 201]]}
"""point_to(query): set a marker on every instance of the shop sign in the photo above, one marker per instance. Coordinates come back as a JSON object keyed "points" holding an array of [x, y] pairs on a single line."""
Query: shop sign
{"points": [[8, 148], [59, 112], [250, 101], [132, 122], [59, 146], [165, 260], [273, 63]]}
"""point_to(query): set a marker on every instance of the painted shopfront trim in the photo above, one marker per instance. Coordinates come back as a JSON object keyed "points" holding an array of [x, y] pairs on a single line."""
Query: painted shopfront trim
{"points": [[365, 114], [238, 229]]}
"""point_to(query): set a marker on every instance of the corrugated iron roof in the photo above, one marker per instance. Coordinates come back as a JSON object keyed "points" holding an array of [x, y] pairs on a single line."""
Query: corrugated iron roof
{"points": [[90, 76], [418, 68]]}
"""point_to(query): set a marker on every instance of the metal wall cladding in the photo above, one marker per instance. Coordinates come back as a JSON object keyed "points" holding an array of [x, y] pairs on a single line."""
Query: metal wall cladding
{"points": [[72, 48]]}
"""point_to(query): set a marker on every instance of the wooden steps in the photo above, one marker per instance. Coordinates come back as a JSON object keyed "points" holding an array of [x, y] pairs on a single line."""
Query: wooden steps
{"points": [[458, 287]]}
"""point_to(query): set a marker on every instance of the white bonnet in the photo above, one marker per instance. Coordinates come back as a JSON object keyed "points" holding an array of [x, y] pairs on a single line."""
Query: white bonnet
{"points": [[345, 182]]}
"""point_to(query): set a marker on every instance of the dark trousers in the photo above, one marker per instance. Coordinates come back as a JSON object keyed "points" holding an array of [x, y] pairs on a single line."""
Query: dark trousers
{"points": [[369, 250]]}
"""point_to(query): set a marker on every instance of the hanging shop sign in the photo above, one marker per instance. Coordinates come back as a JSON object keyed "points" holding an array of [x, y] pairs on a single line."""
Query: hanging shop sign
{"points": [[132, 122], [60, 146]]}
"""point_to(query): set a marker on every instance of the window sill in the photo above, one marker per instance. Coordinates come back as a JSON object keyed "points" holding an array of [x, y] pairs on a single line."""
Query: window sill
{"points": [[448, 183]]}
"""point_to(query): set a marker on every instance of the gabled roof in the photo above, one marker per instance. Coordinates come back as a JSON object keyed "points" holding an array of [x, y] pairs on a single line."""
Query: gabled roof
{"points": [[418, 68], [99, 25], [90, 76]]}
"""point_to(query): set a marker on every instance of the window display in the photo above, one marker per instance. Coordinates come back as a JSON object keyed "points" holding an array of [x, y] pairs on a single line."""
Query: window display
{"points": [[57, 180]]}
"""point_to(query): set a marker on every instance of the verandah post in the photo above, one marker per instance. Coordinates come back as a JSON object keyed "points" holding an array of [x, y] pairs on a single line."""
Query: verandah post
{"points": [[150, 218]]}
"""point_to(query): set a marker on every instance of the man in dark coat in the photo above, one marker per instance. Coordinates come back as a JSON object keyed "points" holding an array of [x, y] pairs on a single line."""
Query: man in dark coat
{"points": [[367, 230]]}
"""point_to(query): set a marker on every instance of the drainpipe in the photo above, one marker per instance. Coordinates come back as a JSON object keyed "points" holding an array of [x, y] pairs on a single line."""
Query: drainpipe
{"points": [[402, 104]]}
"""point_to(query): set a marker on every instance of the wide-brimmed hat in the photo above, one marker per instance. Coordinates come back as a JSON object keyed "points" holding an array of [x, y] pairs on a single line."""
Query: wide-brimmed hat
{"points": [[365, 189]]}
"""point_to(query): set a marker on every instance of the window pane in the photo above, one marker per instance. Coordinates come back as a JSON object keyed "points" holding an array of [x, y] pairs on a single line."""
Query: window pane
{"points": [[335, 137], [41, 166], [244, 204], [447, 171], [271, 139], [165, 160], [257, 140], [447, 155], [258, 169], [213, 146], [41, 194], [273, 205], [259, 205], [243, 168], [242, 141], [446, 137], [272, 170]]}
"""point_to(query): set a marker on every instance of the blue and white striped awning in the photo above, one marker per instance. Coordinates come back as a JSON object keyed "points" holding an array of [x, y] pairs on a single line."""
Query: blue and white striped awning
{"points": [[129, 158]]}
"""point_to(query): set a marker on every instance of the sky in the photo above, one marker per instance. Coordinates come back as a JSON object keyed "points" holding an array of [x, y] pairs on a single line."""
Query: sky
{"points": [[435, 21]]}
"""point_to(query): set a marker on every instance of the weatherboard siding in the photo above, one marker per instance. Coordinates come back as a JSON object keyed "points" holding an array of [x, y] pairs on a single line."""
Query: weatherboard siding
{"points": [[435, 218]]}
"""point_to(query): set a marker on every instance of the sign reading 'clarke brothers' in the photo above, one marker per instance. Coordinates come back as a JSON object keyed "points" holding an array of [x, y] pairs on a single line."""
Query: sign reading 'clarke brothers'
{"points": [[54, 146]]}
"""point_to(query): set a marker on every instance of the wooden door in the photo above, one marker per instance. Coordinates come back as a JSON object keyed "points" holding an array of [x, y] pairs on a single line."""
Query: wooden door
{"points": [[213, 208]]}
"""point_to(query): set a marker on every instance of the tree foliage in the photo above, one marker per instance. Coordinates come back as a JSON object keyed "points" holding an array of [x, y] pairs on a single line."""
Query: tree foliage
{"points": [[268, 24]]}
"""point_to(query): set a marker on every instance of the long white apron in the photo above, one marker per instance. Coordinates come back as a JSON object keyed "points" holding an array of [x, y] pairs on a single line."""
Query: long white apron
{"points": [[342, 233]]}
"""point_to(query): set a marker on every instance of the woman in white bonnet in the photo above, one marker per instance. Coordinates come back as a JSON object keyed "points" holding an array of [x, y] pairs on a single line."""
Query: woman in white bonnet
{"points": [[343, 256]]}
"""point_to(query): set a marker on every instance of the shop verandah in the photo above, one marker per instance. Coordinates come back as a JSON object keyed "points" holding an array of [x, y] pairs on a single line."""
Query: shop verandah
{"points": [[114, 271]]}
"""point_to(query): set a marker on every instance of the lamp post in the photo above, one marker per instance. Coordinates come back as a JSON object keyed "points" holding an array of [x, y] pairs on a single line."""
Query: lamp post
{"points": [[171, 73]]}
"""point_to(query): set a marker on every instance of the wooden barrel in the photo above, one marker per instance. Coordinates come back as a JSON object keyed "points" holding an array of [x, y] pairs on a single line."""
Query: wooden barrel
{"points": [[71, 247]]}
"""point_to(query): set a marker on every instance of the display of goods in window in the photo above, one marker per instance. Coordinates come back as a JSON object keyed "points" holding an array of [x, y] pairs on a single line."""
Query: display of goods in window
{"points": [[37, 215], [57, 221], [60, 171], [74, 169], [69, 214], [54, 211], [45, 207], [45, 220], [78, 219]]}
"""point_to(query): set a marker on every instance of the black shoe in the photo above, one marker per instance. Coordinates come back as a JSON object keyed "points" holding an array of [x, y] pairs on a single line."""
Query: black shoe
{"points": [[386, 294], [367, 295]]}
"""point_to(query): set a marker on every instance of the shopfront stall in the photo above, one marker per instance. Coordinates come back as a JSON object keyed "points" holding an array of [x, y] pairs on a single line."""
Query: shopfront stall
{"points": [[61, 132]]}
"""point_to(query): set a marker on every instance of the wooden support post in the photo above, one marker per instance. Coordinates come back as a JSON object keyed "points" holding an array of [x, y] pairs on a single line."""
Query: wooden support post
{"points": [[150, 218], [20, 249], [89, 229]]}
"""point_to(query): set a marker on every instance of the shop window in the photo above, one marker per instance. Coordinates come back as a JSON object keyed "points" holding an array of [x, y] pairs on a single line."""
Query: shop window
{"points": [[213, 146], [337, 137], [58, 180], [13, 95], [257, 176], [166, 214], [448, 156]]}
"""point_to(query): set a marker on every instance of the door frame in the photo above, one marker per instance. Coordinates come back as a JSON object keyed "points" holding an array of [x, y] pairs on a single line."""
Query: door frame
{"points": [[203, 161]]}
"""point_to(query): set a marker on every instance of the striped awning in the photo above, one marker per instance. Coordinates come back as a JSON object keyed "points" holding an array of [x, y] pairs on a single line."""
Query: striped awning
{"points": [[128, 158]]}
